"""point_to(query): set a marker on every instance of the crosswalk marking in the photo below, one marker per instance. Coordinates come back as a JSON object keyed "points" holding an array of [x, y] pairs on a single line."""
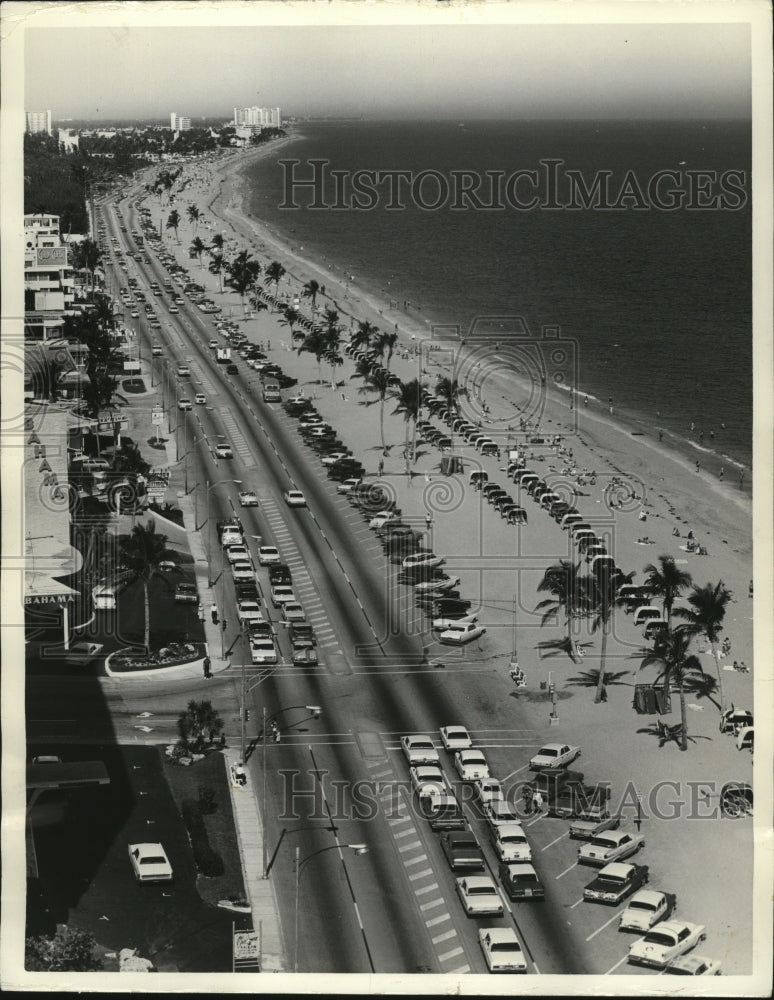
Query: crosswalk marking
{"points": [[425, 889], [432, 904], [437, 920], [444, 937], [450, 954]]}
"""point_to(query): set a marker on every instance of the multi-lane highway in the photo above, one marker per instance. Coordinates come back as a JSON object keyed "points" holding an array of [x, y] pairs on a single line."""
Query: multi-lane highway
{"points": [[342, 779]]}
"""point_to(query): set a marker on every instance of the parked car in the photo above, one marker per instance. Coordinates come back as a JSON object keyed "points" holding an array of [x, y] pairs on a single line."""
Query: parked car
{"points": [[665, 942], [183, 371], [186, 593], [488, 790], [646, 908], [150, 863], [184, 404], [554, 755], [501, 949], [423, 559], [200, 399], [461, 633], [587, 829], [612, 845], [462, 850], [223, 451], [615, 882], [248, 498], [249, 610], [479, 896], [520, 880], [471, 765], [446, 621], [242, 571], [82, 653], [455, 738], [693, 965]]}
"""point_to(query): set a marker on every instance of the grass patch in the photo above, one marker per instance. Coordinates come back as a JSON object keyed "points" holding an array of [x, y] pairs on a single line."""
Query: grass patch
{"points": [[184, 784]]}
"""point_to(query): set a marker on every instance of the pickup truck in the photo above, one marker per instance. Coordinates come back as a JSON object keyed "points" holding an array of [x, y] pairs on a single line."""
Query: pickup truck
{"points": [[223, 355]]}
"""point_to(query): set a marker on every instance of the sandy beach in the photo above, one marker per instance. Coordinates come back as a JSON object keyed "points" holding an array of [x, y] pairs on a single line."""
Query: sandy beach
{"points": [[659, 490]]}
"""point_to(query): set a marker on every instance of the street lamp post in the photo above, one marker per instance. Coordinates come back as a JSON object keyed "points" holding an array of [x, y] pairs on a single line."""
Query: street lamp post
{"points": [[299, 863]]}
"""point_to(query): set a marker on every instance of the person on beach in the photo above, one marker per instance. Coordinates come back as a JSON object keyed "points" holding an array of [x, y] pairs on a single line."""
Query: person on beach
{"points": [[381, 467], [698, 467]]}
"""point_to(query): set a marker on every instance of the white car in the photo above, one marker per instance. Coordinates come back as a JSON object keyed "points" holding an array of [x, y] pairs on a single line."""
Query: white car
{"points": [[237, 553], [263, 649], [427, 779], [488, 790], [348, 485], [183, 371], [82, 653], [150, 863], [383, 518], [455, 738], [184, 404], [294, 498], [610, 846], [510, 842], [242, 571], [173, 308], [444, 582], [554, 755], [223, 451], [429, 559], [268, 554], [334, 456], [247, 498], [200, 399], [461, 633], [249, 610], [646, 908], [665, 942], [693, 965], [419, 750], [441, 624], [293, 612], [282, 593], [501, 948], [214, 344], [480, 896], [471, 765]]}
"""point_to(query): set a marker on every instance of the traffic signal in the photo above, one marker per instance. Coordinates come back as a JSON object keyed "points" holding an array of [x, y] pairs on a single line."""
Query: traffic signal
{"points": [[551, 689], [247, 714]]}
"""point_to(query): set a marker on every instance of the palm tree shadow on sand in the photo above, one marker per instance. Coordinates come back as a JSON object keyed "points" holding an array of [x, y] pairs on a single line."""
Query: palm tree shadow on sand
{"points": [[554, 647], [590, 678], [665, 733]]}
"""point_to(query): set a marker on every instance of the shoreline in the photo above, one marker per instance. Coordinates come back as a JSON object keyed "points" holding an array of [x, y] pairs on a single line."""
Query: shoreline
{"points": [[234, 187]]}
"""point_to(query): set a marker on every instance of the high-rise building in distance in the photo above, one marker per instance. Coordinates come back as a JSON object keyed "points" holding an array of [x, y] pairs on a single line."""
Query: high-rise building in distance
{"points": [[179, 123], [37, 121], [263, 117]]}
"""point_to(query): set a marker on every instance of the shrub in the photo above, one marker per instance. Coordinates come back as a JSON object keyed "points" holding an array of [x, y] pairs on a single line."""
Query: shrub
{"points": [[208, 861]]}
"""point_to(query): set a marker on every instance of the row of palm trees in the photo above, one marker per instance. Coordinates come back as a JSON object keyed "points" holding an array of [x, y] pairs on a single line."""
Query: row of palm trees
{"points": [[593, 598]]}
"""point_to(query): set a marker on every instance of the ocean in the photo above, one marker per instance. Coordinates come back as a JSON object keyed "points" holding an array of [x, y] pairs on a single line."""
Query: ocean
{"points": [[647, 276]]}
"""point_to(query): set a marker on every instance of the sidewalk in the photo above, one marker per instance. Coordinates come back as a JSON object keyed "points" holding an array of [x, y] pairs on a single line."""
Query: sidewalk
{"points": [[260, 890]]}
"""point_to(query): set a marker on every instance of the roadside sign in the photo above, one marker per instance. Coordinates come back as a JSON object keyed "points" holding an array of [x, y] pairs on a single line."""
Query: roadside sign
{"points": [[157, 416]]}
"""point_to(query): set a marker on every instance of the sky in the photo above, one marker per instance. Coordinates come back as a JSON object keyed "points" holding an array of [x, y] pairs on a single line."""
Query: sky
{"points": [[383, 71]]}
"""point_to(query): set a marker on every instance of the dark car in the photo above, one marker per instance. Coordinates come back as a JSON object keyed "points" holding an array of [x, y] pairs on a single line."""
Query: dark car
{"points": [[186, 593], [232, 370], [446, 607], [580, 800], [615, 882], [279, 573], [521, 881], [462, 850], [550, 781]]}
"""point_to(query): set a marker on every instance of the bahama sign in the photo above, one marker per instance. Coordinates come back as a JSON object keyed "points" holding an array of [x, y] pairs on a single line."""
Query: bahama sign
{"points": [[40, 599]]}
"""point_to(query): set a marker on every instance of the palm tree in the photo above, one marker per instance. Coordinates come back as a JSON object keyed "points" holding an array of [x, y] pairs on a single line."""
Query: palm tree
{"points": [[273, 275], [173, 222], [569, 593], [198, 248], [86, 256], [667, 582], [386, 342], [448, 390], [218, 266], [408, 396], [290, 317], [193, 216], [705, 617], [256, 302], [218, 242], [141, 553], [332, 334], [378, 382], [243, 274], [670, 652], [315, 343], [363, 335], [310, 290], [601, 601]]}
